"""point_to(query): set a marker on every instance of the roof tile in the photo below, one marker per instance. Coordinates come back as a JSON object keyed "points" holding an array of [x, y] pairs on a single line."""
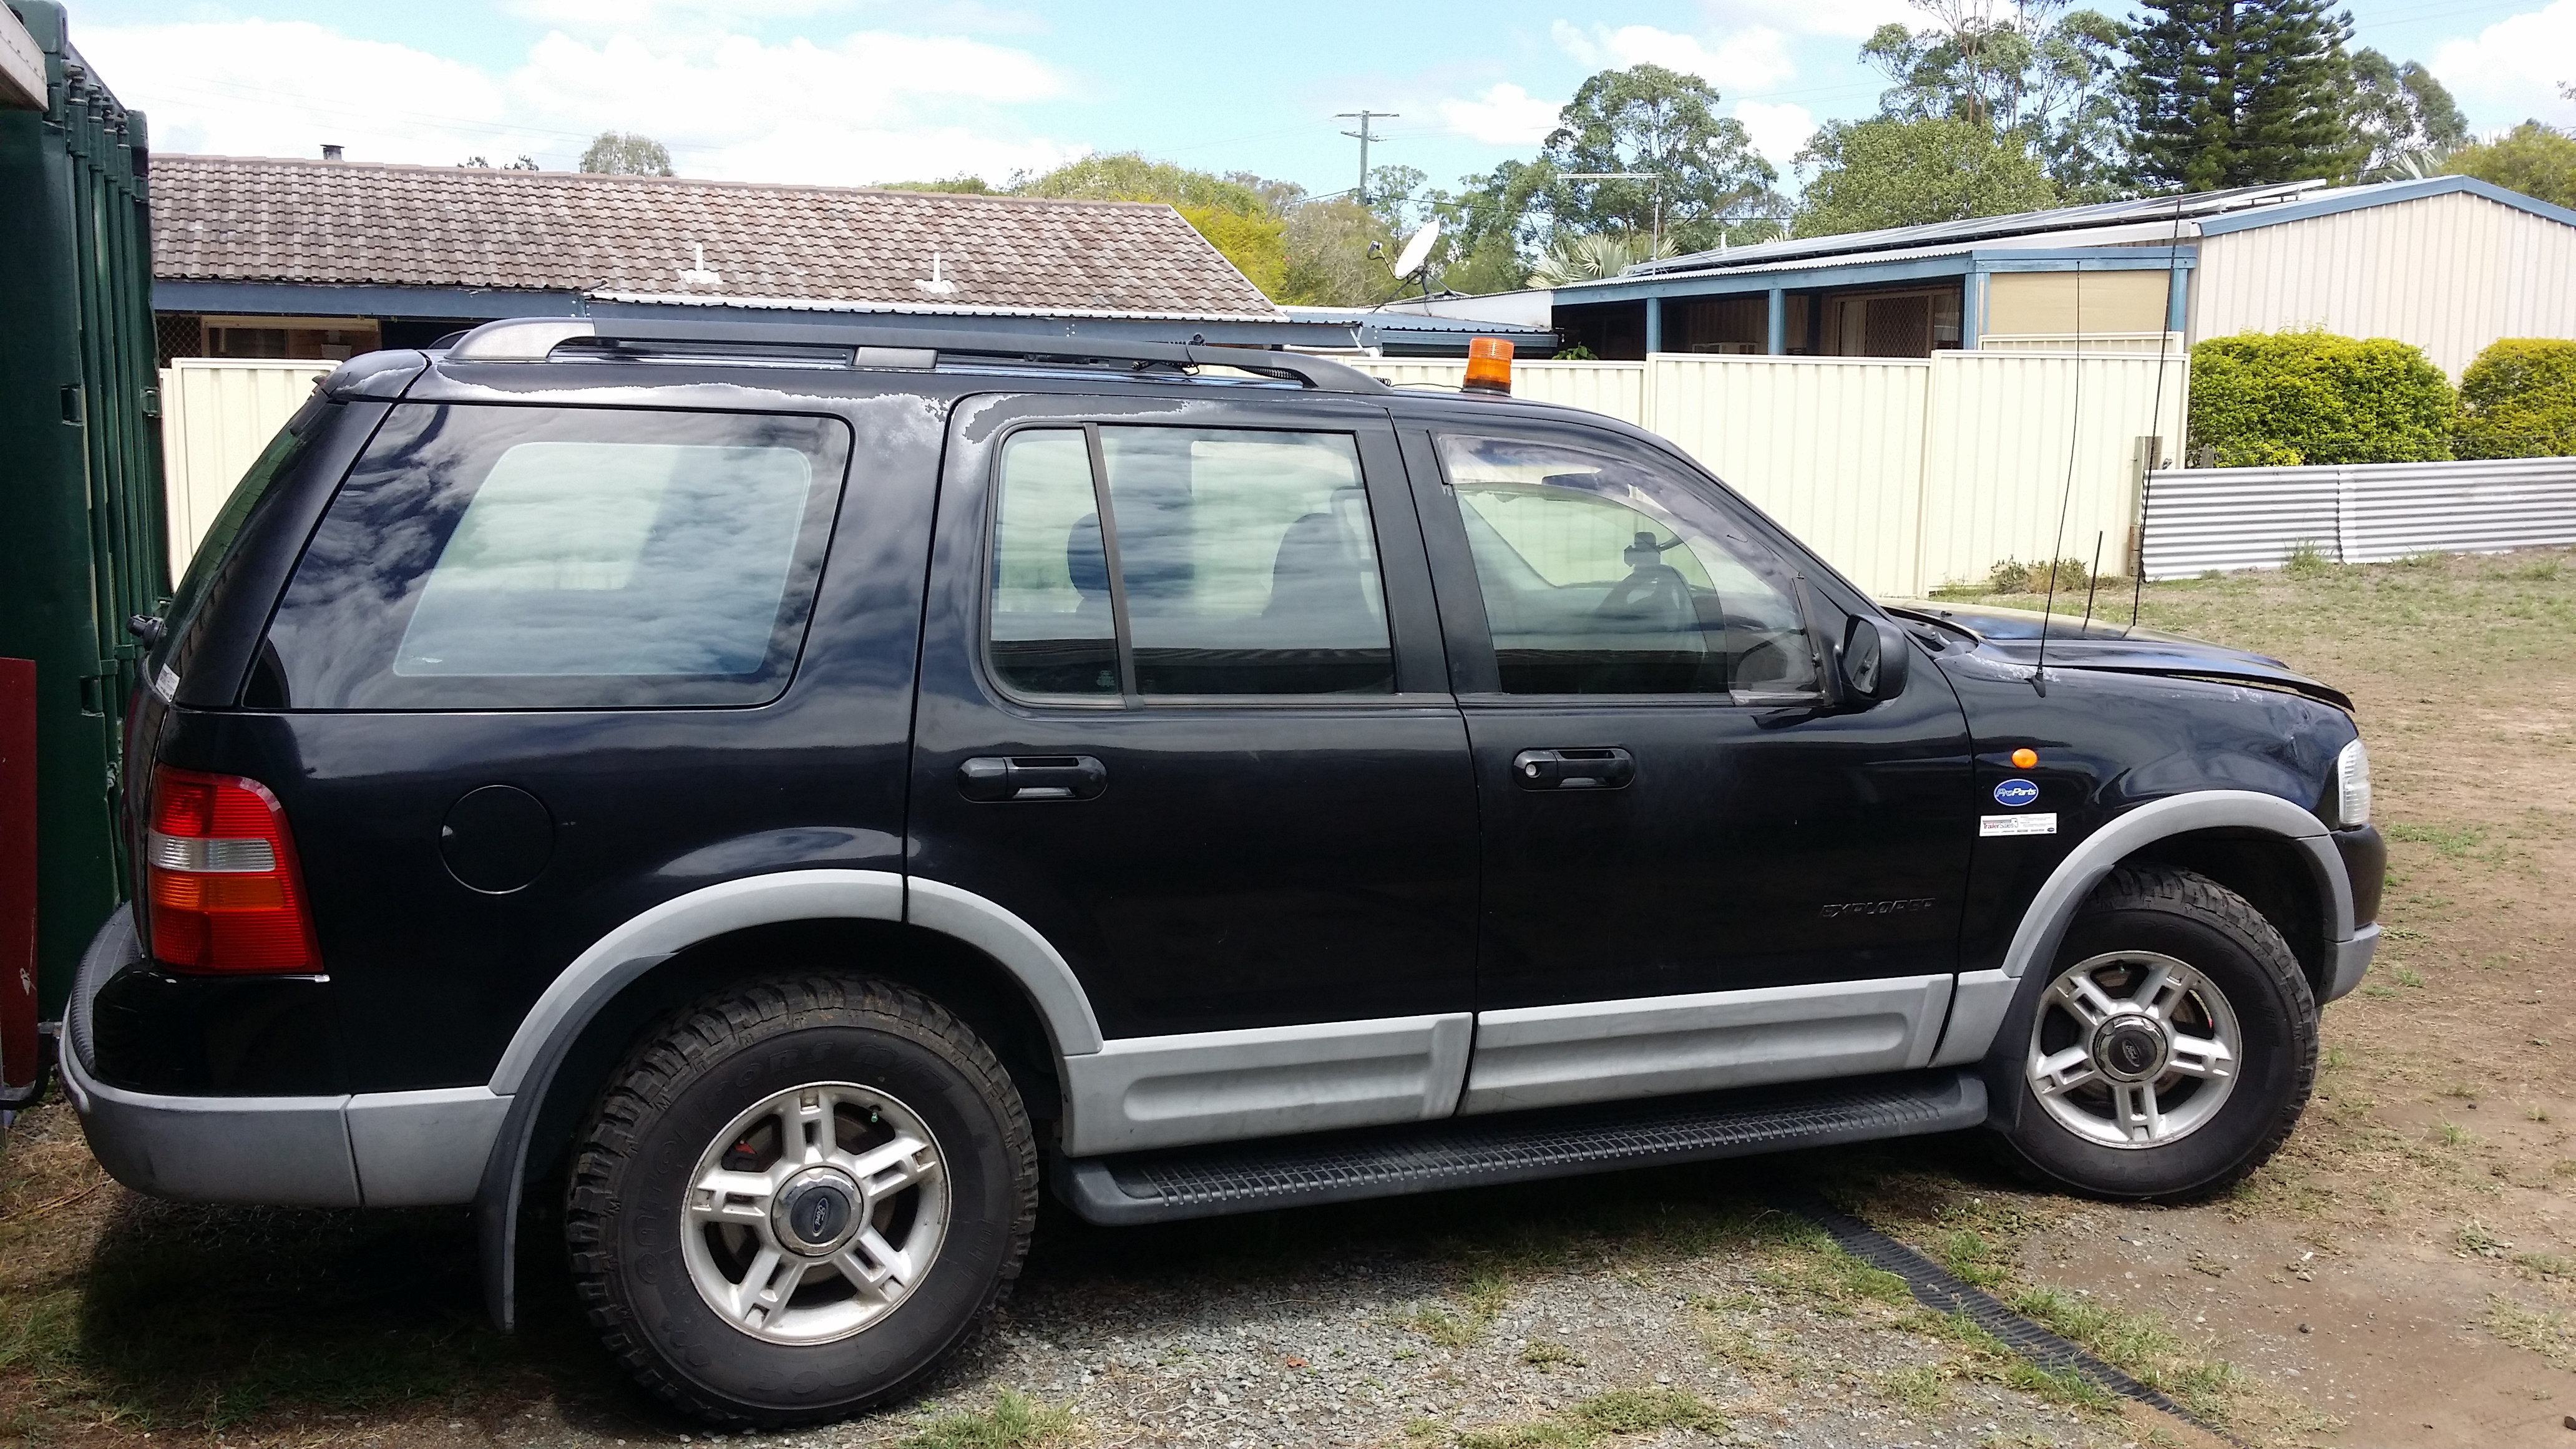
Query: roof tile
{"points": [[339, 223]]}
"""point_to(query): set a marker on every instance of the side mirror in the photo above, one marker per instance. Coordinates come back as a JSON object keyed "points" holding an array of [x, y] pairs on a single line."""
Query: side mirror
{"points": [[1875, 661]]}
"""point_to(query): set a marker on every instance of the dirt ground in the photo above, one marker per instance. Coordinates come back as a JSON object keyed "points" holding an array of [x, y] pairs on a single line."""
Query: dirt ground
{"points": [[2404, 1273]]}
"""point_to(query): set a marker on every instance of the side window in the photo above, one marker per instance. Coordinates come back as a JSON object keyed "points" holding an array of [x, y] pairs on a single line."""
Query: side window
{"points": [[1052, 631], [1603, 577], [500, 557], [1226, 562]]}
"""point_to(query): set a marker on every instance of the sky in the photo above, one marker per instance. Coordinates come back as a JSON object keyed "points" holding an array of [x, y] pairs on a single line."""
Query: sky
{"points": [[849, 92]]}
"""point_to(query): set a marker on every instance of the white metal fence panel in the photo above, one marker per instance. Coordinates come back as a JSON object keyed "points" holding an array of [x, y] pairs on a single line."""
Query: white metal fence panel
{"points": [[2199, 519], [1831, 447], [2036, 455], [1615, 388], [1905, 473], [216, 417]]}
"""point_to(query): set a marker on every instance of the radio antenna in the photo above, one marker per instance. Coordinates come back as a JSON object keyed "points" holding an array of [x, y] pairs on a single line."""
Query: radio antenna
{"points": [[2074, 440], [2156, 419]]}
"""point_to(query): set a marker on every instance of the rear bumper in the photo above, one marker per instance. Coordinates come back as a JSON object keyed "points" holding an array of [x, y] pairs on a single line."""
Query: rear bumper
{"points": [[376, 1149]]}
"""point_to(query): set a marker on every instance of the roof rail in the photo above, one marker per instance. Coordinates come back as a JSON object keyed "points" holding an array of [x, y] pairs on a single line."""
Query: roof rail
{"points": [[533, 339]]}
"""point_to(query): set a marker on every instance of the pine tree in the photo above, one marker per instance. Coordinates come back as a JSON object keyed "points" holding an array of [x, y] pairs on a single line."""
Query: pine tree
{"points": [[2241, 93]]}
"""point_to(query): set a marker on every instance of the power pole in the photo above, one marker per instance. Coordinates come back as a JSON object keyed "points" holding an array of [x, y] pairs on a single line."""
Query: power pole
{"points": [[1363, 137]]}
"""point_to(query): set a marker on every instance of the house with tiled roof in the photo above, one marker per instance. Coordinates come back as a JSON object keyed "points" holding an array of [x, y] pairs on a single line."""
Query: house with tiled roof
{"points": [[260, 257]]}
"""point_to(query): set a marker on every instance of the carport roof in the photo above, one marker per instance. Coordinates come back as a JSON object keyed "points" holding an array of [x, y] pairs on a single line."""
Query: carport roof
{"points": [[2208, 213], [342, 223]]}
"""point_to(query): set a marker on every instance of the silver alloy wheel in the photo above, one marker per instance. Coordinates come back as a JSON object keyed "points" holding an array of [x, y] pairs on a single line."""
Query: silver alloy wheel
{"points": [[815, 1213], [2133, 1049]]}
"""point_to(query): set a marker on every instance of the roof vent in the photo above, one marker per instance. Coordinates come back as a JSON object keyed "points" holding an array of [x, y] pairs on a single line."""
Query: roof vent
{"points": [[698, 275], [330, 152], [937, 284]]}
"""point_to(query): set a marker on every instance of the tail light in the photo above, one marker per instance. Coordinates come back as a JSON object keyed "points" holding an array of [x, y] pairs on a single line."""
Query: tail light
{"points": [[1489, 365], [223, 888]]}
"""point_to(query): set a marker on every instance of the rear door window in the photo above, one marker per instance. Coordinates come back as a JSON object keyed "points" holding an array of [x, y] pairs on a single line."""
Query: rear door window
{"points": [[1227, 562], [507, 557]]}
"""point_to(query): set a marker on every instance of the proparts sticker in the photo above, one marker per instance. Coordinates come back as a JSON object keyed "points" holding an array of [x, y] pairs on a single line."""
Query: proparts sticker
{"points": [[2017, 824]]}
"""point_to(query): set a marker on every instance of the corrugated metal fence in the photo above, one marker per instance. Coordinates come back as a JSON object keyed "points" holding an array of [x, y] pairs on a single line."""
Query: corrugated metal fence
{"points": [[216, 416], [1905, 473], [2199, 519]]}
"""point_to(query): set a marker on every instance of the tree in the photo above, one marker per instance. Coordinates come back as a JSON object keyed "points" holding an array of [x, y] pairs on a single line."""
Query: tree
{"points": [[2536, 160], [1230, 211], [1328, 261], [2400, 111], [1490, 224], [954, 186], [1648, 119], [621, 153], [1595, 256], [483, 163], [1873, 174], [2240, 93], [2032, 69]]}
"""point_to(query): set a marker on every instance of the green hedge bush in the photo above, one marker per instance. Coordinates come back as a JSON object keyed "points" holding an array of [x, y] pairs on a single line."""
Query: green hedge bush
{"points": [[2518, 400], [2268, 399]]}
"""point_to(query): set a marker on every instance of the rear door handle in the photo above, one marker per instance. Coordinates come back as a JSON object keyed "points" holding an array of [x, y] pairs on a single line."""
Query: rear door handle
{"points": [[1574, 769], [1032, 777]]}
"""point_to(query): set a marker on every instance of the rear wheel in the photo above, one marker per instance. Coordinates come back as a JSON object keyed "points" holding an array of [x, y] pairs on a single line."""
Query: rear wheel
{"points": [[797, 1197], [2170, 1049]]}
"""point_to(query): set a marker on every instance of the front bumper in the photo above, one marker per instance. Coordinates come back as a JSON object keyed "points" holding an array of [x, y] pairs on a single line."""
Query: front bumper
{"points": [[2351, 959], [375, 1149]]}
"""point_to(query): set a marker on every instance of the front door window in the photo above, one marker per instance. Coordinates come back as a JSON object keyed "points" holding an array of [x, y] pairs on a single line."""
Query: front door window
{"points": [[1597, 579]]}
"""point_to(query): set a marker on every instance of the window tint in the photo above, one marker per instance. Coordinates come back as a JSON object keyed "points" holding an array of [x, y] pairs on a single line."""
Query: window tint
{"points": [[1603, 577], [1052, 633], [1245, 563], [482, 557]]}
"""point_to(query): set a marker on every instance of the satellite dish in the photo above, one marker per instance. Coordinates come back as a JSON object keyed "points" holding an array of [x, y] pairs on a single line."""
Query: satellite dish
{"points": [[1418, 250]]}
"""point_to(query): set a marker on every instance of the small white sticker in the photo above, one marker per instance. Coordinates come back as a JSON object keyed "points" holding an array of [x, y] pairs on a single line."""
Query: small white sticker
{"points": [[2017, 825]]}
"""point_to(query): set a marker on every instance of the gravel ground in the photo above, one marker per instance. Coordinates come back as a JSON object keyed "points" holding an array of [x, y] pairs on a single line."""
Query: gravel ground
{"points": [[1495, 1321]]}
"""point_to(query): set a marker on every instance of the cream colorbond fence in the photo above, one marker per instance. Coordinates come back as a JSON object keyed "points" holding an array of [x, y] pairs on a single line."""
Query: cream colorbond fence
{"points": [[216, 417], [1905, 473]]}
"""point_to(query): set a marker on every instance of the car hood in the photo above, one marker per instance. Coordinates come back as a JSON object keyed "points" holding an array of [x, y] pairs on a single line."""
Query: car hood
{"points": [[2015, 636]]}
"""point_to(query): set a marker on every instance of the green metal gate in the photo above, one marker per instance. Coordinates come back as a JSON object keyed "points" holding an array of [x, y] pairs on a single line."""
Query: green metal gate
{"points": [[81, 508]]}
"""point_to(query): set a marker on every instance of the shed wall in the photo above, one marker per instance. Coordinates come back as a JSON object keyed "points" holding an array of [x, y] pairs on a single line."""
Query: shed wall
{"points": [[2447, 273], [2060, 303]]}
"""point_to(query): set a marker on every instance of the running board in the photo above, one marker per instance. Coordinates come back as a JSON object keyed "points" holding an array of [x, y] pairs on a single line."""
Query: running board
{"points": [[1244, 1177]]}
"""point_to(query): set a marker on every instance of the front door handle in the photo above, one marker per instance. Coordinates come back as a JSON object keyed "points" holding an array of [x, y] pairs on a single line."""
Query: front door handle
{"points": [[1032, 777], [1574, 769]]}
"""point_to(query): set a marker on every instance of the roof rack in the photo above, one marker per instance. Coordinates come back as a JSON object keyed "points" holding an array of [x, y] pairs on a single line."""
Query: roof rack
{"points": [[534, 339]]}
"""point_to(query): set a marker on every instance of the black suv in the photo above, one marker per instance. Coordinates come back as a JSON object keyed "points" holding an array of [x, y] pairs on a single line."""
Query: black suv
{"points": [[781, 792]]}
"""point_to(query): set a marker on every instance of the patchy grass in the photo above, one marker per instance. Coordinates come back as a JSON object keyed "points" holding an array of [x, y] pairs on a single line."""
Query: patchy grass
{"points": [[1544, 1353], [1015, 1421], [2545, 1331], [1609, 1415]]}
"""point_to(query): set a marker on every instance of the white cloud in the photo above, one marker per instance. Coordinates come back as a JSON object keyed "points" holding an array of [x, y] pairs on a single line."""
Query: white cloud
{"points": [[1505, 115], [2510, 71], [1778, 131], [1753, 58], [874, 106]]}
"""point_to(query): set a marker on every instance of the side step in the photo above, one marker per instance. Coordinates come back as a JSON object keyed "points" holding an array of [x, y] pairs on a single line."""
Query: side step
{"points": [[1244, 1177]]}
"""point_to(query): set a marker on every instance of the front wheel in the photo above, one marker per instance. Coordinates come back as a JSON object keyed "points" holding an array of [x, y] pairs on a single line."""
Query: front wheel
{"points": [[2170, 1049], [793, 1200]]}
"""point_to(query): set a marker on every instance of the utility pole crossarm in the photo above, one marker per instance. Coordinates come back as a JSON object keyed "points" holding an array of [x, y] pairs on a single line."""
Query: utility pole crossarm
{"points": [[1363, 136]]}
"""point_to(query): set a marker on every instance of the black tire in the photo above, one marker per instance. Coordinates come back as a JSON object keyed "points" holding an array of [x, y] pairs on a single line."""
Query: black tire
{"points": [[2191, 918], [680, 1089]]}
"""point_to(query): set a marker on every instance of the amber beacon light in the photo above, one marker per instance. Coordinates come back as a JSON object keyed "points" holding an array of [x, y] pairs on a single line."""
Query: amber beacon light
{"points": [[1489, 365]]}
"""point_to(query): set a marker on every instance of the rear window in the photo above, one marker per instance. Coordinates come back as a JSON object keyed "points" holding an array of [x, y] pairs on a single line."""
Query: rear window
{"points": [[507, 557]]}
